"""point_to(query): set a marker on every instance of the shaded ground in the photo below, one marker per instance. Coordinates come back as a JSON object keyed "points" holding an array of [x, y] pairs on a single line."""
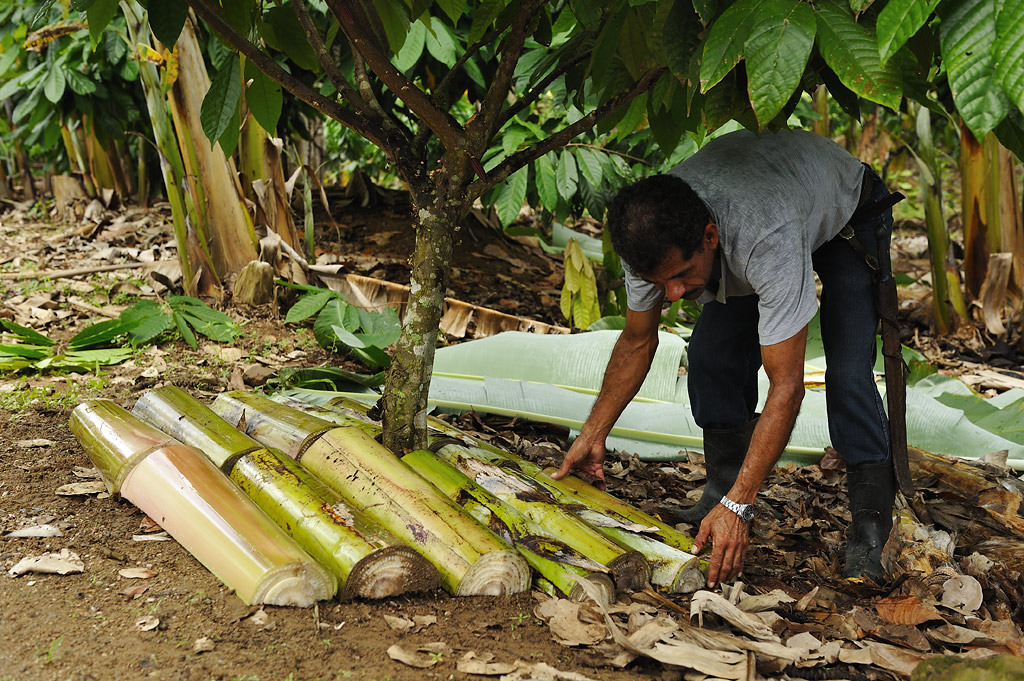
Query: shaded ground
{"points": [[100, 625]]}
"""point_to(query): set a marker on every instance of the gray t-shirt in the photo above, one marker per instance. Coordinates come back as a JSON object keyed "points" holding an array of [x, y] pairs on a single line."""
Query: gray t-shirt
{"points": [[776, 197]]}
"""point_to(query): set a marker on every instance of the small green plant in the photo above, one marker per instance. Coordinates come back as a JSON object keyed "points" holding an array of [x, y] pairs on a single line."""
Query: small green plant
{"points": [[51, 650], [190, 316], [342, 326]]}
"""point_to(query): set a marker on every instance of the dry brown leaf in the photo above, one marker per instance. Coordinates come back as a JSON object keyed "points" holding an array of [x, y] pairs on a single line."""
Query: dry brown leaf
{"points": [[909, 610], [962, 593], [203, 645], [399, 624], [80, 488], [147, 623], [422, 657], [707, 601], [64, 563], [136, 573], [136, 591], [763, 602], [542, 672], [563, 618], [470, 663]]}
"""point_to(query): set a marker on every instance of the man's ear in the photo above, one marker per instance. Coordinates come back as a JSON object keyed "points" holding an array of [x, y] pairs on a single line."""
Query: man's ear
{"points": [[710, 235]]}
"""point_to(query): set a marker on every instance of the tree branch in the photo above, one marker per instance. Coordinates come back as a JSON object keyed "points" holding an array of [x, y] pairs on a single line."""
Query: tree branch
{"points": [[356, 26], [531, 96], [330, 68], [327, 107], [484, 125], [562, 137]]}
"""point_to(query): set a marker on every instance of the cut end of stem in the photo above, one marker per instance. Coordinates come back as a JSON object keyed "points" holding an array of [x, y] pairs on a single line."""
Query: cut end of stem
{"points": [[391, 571], [600, 580], [632, 572], [497, 573], [297, 586]]}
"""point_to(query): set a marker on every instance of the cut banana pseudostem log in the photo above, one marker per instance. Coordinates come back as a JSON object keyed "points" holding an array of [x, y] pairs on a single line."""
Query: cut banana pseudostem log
{"points": [[470, 559], [194, 501], [368, 561]]}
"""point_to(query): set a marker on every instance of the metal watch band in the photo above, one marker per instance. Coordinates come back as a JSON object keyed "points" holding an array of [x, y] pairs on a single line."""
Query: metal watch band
{"points": [[744, 511]]}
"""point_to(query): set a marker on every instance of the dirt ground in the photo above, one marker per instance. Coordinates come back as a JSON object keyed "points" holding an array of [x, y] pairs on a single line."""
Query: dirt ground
{"points": [[181, 622]]}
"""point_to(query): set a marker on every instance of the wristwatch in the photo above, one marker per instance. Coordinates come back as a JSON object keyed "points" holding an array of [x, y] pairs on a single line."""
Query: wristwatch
{"points": [[744, 511]]}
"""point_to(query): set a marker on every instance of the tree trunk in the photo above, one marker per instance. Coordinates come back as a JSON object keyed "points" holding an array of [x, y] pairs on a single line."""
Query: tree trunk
{"points": [[408, 379], [5, 182], [821, 124], [28, 188]]}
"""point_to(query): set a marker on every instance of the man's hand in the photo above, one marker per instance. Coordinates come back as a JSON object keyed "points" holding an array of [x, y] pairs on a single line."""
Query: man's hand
{"points": [[729, 536], [585, 455]]}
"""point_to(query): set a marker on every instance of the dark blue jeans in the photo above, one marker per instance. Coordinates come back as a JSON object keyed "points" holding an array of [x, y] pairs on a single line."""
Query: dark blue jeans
{"points": [[724, 353]]}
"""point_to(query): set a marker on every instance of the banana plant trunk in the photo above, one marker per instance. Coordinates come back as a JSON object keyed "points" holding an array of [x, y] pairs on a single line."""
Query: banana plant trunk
{"points": [[368, 561], [200, 507], [412, 361], [948, 307], [470, 558]]}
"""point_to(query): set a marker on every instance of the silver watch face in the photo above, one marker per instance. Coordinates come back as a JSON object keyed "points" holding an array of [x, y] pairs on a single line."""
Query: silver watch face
{"points": [[747, 514]]}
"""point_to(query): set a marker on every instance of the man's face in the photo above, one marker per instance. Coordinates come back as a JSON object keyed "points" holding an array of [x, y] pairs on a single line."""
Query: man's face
{"points": [[679, 278]]}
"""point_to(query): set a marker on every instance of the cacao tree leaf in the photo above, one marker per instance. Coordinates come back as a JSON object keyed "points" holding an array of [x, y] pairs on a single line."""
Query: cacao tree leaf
{"points": [[547, 184], [98, 16], [634, 38], [776, 53], [512, 196], [221, 102], [852, 53], [967, 34], [1009, 52], [566, 179], [166, 18], [395, 21], [282, 31], [54, 83], [590, 165], [453, 8], [634, 117], [440, 42], [483, 19], [899, 20], [1011, 133], [725, 43], [606, 47], [264, 97], [412, 48], [80, 83]]}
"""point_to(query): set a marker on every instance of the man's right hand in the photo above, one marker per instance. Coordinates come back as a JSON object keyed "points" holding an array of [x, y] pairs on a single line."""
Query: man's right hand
{"points": [[586, 455]]}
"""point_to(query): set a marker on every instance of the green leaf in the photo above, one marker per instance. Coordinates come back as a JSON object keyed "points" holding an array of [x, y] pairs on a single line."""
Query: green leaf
{"points": [[221, 102], [282, 31], [483, 18], [591, 165], [80, 83], [967, 35], [264, 97], [547, 184], [899, 20], [412, 49], [99, 15], [198, 308], [606, 48], [307, 306], [87, 359], [725, 42], [634, 117], [186, 333], [379, 328], [567, 178], [102, 332], [54, 83], [333, 314], [681, 36], [852, 52], [1011, 133], [453, 8], [1009, 51], [25, 333], [395, 21], [776, 53], [511, 199], [634, 37], [28, 351], [216, 331], [440, 42], [166, 18]]}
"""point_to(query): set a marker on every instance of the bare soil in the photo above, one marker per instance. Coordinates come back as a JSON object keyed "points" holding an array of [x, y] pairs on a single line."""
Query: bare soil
{"points": [[96, 624]]}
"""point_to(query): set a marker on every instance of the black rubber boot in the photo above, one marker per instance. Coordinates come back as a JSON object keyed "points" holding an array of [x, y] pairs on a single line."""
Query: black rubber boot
{"points": [[724, 452], [872, 489]]}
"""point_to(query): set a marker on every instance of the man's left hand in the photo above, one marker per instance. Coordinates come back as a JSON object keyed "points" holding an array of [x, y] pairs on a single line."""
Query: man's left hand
{"points": [[729, 536]]}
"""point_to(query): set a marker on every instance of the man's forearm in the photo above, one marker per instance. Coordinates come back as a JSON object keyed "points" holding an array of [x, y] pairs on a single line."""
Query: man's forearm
{"points": [[631, 359], [769, 441]]}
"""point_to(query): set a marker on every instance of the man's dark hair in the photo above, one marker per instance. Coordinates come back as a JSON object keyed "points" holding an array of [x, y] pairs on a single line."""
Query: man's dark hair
{"points": [[647, 217]]}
